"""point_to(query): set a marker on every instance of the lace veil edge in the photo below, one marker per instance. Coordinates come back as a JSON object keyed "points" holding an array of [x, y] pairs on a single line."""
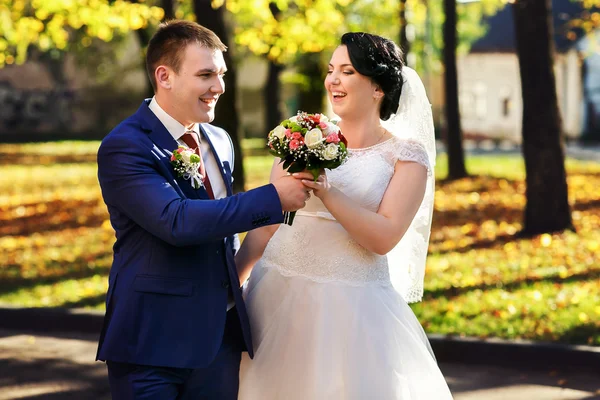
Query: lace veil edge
{"points": [[413, 121]]}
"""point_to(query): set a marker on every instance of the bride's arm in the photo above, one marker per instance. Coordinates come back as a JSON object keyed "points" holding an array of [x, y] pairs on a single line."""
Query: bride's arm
{"points": [[256, 240], [378, 232]]}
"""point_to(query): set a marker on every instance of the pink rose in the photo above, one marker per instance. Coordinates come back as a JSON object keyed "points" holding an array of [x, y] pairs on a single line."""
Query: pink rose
{"points": [[180, 150], [173, 157], [288, 133], [333, 138], [294, 144], [323, 125], [296, 135]]}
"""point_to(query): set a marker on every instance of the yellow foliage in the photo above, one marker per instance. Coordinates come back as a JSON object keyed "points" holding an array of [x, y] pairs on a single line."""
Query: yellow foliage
{"points": [[50, 24], [307, 26]]}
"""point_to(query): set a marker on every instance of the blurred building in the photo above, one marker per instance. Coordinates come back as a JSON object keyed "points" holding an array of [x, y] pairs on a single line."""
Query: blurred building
{"points": [[490, 87], [69, 96], [85, 98]]}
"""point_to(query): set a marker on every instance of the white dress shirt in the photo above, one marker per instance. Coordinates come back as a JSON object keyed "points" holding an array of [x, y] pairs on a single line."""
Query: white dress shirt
{"points": [[176, 129]]}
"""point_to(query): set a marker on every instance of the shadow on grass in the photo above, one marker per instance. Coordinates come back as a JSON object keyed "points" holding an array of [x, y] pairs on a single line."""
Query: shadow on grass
{"points": [[56, 215], [498, 241], [476, 216], [452, 292], [576, 172], [586, 205], [584, 333], [45, 159], [10, 285]]}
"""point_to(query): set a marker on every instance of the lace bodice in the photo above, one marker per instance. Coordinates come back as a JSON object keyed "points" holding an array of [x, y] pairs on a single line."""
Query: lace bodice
{"points": [[316, 246]]}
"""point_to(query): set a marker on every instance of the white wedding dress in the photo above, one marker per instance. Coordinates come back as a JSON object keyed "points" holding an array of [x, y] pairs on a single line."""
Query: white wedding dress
{"points": [[326, 321]]}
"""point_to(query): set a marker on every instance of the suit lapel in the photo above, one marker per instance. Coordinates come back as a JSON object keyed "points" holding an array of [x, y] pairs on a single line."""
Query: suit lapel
{"points": [[222, 166], [163, 140]]}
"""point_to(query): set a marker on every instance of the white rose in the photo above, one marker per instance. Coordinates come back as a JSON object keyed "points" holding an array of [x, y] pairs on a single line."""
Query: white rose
{"points": [[279, 132], [185, 155], [324, 118], [313, 137], [330, 152]]}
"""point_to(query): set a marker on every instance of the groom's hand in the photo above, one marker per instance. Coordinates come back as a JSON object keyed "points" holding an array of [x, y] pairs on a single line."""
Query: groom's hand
{"points": [[292, 193]]}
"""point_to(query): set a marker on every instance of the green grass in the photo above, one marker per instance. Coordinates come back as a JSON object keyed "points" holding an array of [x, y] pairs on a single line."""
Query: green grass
{"points": [[482, 280]]}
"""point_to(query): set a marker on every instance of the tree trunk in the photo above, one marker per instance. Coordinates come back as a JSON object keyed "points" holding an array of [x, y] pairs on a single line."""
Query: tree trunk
{"points": [[226, 115], [454, 149], [273, 115], [547, 208], [272, 90], [145, 34], [169, 7], [310, 98], [404, 43]]}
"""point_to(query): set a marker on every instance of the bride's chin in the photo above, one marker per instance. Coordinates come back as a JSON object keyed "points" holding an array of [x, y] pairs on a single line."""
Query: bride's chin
{"points": [[338, 110]]}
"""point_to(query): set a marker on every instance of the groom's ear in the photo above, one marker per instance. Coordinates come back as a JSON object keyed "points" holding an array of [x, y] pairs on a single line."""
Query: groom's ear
{"points": [[163, 75]]}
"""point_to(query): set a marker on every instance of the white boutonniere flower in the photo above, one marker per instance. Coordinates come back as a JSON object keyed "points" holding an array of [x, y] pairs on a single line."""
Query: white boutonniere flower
{"points": [[186, 164]]}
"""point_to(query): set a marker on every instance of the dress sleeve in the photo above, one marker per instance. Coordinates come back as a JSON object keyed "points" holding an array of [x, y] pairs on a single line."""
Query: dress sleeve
{"points": [[411, 151]]}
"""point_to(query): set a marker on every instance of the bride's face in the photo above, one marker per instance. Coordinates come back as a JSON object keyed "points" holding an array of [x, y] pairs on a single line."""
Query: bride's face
{"points": [[349, 92]]}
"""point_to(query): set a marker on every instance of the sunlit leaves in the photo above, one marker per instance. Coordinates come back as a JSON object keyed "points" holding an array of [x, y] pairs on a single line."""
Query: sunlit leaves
{"points": [[314, 26], [307, 26], [52, 24]]}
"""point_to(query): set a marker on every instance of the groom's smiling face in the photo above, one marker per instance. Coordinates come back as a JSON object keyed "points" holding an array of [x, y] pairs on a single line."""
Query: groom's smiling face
{"points": [[196, 87]]}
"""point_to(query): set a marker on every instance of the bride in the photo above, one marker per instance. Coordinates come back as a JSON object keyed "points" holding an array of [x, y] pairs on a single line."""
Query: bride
{"points": [[327, 297]]}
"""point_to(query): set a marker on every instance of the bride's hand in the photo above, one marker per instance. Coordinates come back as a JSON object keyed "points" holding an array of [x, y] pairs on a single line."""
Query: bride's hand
{"points": [[321, 187]]}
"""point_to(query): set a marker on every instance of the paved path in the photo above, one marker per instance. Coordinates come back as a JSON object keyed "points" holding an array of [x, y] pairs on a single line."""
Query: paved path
{"points": [[62, 367]]}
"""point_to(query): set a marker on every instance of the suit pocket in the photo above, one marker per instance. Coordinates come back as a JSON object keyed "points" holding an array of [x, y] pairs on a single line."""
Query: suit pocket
{"points": [[163, 285]]}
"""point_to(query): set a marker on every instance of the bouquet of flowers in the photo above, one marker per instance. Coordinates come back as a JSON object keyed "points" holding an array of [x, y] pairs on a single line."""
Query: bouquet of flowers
{"points": [[308, 142]]}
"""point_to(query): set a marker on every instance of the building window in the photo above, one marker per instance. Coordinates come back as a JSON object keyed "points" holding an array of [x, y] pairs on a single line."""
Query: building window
{"points": [[506, 101], [506, 106]]}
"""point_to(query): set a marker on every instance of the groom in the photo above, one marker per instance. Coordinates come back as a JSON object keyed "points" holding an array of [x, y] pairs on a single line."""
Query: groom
{"points": [[175, 321]]}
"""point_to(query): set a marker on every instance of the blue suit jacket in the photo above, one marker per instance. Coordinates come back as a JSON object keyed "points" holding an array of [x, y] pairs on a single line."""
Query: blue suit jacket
{"points": [[174, 254]]}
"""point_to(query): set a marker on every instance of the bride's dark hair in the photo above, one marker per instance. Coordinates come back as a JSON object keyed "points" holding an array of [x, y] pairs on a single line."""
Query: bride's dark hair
{"points": [[380, 59]]}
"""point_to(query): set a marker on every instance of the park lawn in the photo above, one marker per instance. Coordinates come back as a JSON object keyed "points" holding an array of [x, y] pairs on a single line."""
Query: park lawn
{"points": [[482, 280]]}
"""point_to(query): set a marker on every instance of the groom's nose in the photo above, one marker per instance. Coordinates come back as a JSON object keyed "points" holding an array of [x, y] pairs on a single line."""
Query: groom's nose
{"points": [[218, 86]]}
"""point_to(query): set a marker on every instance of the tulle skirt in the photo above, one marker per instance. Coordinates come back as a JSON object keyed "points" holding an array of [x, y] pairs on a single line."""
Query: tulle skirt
{"points": [[329, 341]]}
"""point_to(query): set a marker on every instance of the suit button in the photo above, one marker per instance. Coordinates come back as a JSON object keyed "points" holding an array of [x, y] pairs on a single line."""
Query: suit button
{"points": [[218, 251], [225, 284]]}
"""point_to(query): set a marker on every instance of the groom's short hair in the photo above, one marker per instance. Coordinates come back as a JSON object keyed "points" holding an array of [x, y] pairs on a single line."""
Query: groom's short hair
{"points": [[169, 42]]}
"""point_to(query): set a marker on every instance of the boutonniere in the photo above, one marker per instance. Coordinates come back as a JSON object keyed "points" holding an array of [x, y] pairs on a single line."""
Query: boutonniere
{"points": [[186, 164]]}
